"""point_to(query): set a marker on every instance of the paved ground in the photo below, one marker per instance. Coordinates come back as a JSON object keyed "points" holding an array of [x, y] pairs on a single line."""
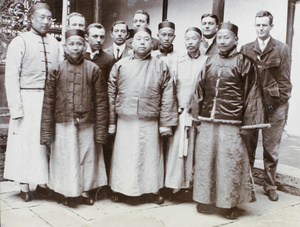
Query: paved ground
{"points": [[285, 212], [40, 213]]}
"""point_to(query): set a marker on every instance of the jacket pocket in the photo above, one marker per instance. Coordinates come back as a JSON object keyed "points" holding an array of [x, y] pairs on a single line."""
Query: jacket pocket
{"points": [[274, 63], [127, 106], [274, 91]]}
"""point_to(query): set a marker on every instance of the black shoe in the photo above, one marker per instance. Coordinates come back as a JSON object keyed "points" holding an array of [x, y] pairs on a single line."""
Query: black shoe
{"points": [[272, 195], [69, 202], [116, 197], [206, 208], [232, 213], [43, 192], [157, 199], [87, 200], [184, 195], [26, 196]]}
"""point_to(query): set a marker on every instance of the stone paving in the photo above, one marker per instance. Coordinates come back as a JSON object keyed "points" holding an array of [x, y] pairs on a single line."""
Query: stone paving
{"points": [[14, 212]]}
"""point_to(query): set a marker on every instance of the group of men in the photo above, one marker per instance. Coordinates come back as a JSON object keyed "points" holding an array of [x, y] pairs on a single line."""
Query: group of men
{"points": [[143, 103]]}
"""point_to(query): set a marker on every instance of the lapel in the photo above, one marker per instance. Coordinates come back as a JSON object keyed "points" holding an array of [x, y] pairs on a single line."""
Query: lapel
{"points": [[269, 47]]}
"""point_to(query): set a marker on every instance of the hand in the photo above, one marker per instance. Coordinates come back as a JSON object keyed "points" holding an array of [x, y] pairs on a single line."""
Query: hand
{"points": [[112, 129], [165, 131]]}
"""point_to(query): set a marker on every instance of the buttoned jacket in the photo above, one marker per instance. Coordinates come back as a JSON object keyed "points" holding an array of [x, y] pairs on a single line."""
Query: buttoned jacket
{"points": [[274, 65]]}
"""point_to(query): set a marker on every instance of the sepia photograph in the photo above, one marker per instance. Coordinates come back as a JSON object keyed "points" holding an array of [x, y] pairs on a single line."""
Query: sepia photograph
{"points": [[154, 113]]}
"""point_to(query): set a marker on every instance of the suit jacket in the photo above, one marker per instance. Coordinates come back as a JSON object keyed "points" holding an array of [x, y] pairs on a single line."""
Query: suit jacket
{"points": [[212, 49], [104, 61], [110, 51], [274, 66]]}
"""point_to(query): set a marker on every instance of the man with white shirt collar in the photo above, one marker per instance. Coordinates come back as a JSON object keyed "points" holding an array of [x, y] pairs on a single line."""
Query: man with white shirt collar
{"points": [[209, 27], [95, 38], [274, 64], [119, 33]]}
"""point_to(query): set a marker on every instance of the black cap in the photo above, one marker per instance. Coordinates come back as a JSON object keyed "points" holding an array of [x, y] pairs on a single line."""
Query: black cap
{"points": [[194, 29], [38, 6], [72, 32], [145, 29], [166, 24], [229, 26]]}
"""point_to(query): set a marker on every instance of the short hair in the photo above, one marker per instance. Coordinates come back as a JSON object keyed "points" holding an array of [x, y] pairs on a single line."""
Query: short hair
{"points": [[212, 16], [75, 14], [119, 22], [94, 25], [141, 11], [263, 13]]}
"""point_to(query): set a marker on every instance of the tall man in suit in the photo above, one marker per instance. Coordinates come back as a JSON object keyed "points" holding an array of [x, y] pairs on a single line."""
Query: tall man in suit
{"points": [[119, 33], [95, 38], [274, 64], [209, 27], [141, 19]]}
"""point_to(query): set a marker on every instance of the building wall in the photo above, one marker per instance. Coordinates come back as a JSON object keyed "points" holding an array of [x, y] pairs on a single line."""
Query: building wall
{"points": [[114, 10], [242, 13], [186, 14], [293, 123]]}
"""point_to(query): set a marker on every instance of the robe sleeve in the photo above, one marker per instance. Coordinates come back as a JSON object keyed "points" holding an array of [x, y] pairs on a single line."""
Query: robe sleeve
{"points": [[169, 107], [254, 111], [112, 94], [101, 107], [14, 58], [48, 111]]}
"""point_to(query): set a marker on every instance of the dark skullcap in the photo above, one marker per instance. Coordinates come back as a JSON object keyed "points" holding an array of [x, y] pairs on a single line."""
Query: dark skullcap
{"points": [[194, 29], [166, 24], [72, 32], [144, 29], [229, 26], [38, 6]]}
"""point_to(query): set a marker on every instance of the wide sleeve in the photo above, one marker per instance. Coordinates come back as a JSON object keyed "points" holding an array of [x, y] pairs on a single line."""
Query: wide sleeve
{"points": [[197, 98], [48, 111], [112, 94], [14, 58], [101, 107], [254, 111], [284, 81], [169, 107]]}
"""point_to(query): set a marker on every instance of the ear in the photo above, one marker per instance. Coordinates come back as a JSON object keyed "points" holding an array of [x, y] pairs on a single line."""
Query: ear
{"points": [[127, 36], [272, 25], [236, 39], [86, 37]]}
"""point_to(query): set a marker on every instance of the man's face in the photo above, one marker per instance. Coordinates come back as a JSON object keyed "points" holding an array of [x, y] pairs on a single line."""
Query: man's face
{"points": [[41, 20], [192, 41], [166, 36], [142, 43], [226, 40], [119, 34], [263, 27], [77, 22], [96, 38], [75, 46], [209, 27], [139, 20]]}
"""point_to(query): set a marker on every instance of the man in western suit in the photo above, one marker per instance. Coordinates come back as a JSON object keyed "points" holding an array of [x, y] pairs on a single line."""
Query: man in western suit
{"points": [[274, 63], [119, 33]]}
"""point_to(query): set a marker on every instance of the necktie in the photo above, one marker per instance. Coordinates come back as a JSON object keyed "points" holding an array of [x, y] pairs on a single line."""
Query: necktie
{"points": [[205, 44], [263, 45], [118, 51]]}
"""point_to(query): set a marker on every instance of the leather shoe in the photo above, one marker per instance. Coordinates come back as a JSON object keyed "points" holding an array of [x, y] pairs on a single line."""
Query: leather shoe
{"points": [[87, 201], [206, 208], [232, 213], [44, 192], [158, 199], [26, 196], [272, 195]]}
